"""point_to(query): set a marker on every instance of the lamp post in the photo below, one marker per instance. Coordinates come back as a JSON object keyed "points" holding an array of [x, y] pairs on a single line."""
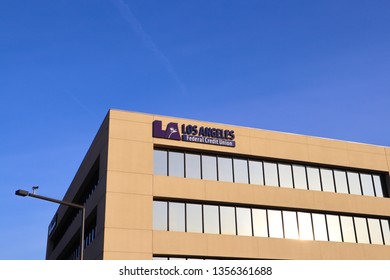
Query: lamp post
{"points": [[70, 204]]}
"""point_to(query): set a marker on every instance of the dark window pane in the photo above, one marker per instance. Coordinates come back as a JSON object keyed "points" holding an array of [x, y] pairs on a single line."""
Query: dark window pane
{"points": [[240, 171], [300, 181], [225, 169], [256, 172], [160, 218], [176, 164], [271, 174], [193, 166], [209, 167], [160, 163], [285, 175]]}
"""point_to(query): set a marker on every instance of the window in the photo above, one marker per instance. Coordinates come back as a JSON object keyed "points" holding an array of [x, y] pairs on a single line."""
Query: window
{"points": [[300, 181], [275, 223], [193, 166], [160, 218], [374, 227], [319, 226], [271, 174], [361, 230], [160, 162], [211, 219], [240, 171], [305, 226], [377, 186], [225, 169], [209, 167], [256, 172], [354, 183], [327, 180], [341, 181], [194, 217], [313, 176], [228, 220], [176, 164], [334, 229], [285, 175], [244, 221], [386, 231], [367, 186], [260, 225], [290, 224], [347, 229], [176, 216]]}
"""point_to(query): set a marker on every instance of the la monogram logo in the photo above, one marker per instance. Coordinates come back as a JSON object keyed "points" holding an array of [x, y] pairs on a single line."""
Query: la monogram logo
{"points": [[171, 131]]}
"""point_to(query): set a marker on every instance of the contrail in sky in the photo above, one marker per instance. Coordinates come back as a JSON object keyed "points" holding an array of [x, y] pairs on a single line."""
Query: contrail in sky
{"points": [[148, 41]]}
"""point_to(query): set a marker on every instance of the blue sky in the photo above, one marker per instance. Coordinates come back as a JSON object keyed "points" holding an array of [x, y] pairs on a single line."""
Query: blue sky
{"points": [[319, 68]]}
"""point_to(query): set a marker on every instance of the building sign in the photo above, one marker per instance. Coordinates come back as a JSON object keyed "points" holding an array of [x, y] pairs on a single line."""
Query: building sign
{"points": [[194, 133]]}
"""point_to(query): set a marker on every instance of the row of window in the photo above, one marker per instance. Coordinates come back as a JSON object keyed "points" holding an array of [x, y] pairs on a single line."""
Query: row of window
{"points": [[88, 238], [250, 171], [219, 219]]}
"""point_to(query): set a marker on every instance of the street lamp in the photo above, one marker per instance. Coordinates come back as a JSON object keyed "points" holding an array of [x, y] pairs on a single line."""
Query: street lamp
{"points": [[70, 204]]}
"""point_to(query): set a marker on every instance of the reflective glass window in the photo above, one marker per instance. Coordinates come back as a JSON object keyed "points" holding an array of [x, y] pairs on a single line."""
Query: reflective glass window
{"points": [[160, 163], [300, 181], [354, 183], [319, 226], [211, 219], [327, 180], [228, 220], [275, 223], [334, 229], [260, 226], [176, 216], [290, 224], [313, 176], [225, 169], [377, 186], [285, 175], [361, 230], [386, 231], [244, 221], [341, 181], [256, 172], [240, 171], [193, 166], [367, 186], [194, 217], [305, 226], [374, 228], [271, 174], [176, 164], [347, 229], [209, 167], [160, 218]]}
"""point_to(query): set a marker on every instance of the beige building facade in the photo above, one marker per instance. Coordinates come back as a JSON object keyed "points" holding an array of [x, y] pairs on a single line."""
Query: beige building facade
{"points": [[157, 187]]}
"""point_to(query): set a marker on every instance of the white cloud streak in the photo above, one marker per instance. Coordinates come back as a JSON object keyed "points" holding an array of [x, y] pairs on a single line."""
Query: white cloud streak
{"points": [[128, 15]]}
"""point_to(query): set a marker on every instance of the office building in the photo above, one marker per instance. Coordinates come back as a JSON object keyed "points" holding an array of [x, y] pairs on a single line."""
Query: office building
{"points": [[158, 187]]}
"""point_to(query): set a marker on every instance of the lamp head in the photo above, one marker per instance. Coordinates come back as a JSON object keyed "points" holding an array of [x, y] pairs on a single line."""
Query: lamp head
{"points": [[22, 193]]}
